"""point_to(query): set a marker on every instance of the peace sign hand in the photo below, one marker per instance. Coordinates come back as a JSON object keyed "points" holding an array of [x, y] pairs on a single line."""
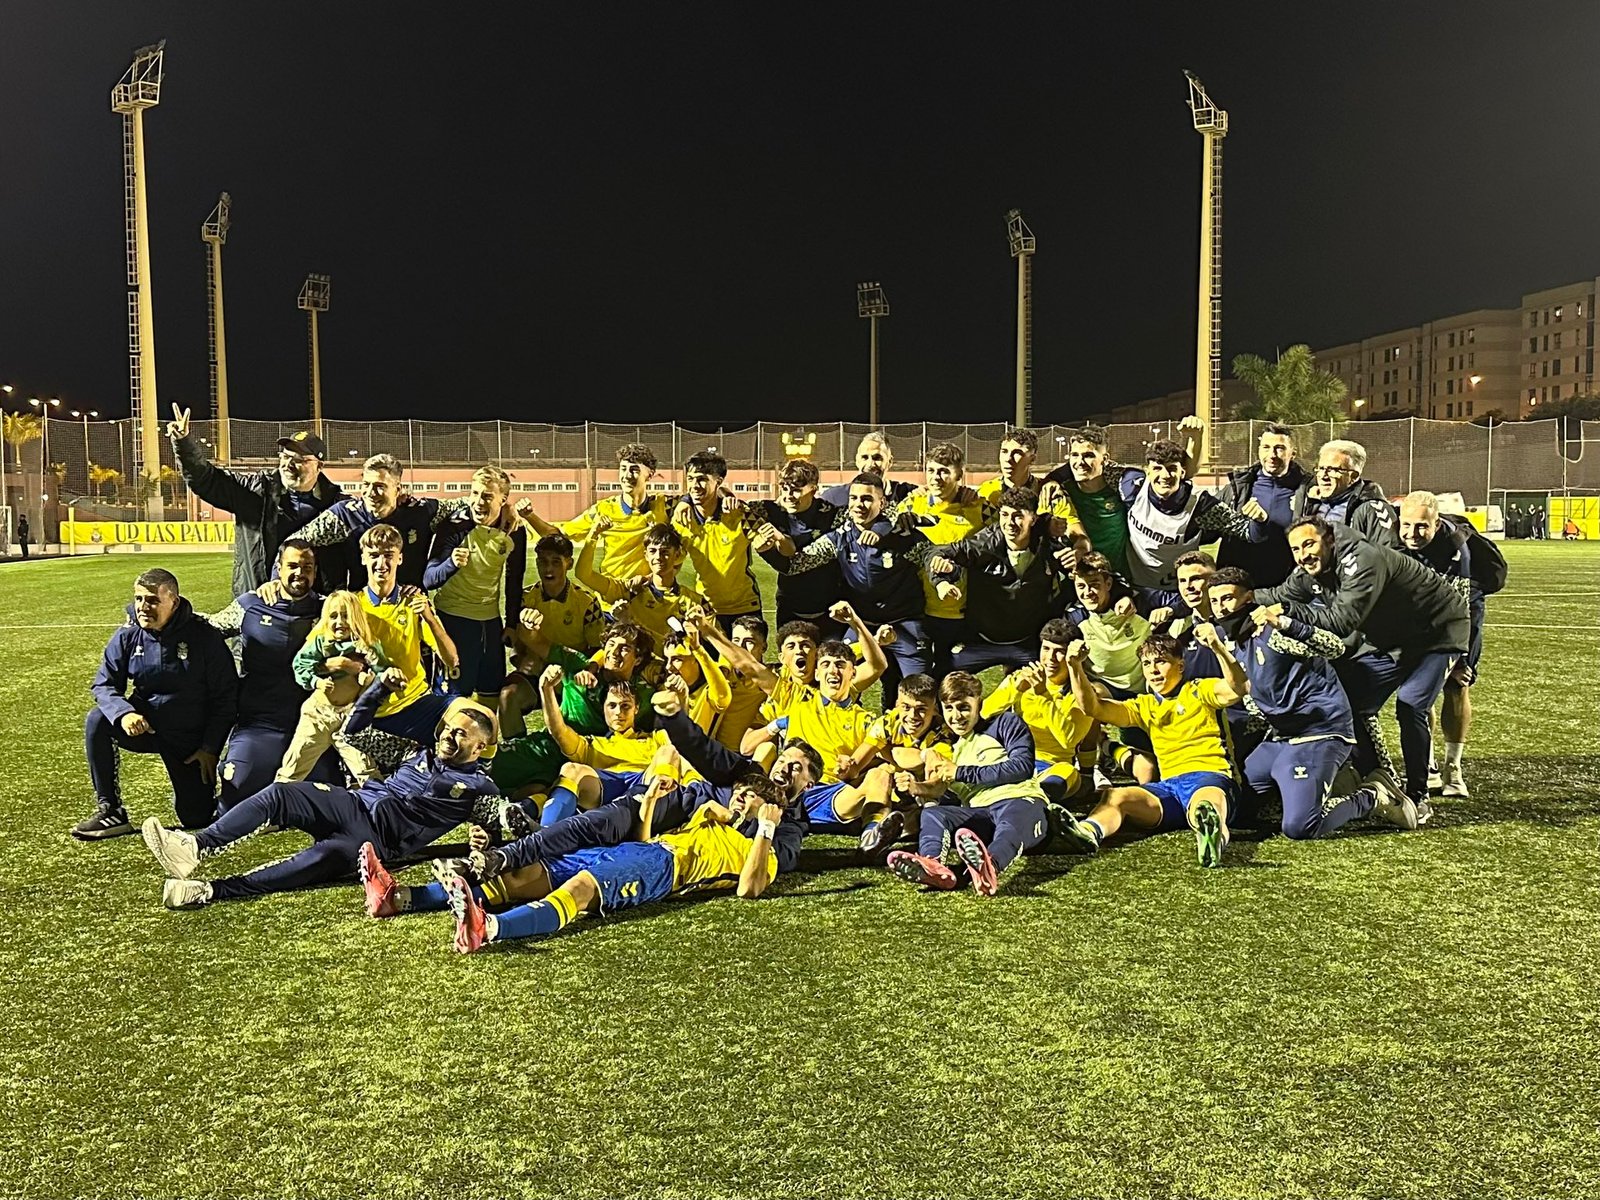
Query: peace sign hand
{"points": [[178, 427]]}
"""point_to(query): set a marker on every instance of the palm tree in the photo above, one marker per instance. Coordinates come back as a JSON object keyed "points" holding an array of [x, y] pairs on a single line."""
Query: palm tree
{"points": [[104, 479], [1293, 390], [22, 428]]}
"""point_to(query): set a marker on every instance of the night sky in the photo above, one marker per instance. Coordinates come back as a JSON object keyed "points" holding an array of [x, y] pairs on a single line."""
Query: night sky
{"points": [[624, 212]]}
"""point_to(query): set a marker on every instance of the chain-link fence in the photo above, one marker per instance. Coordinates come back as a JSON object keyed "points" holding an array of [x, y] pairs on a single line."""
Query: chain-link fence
{"points": [[89, 464]]}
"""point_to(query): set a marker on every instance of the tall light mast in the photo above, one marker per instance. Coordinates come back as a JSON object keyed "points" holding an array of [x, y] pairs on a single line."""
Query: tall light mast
{"points": [[214, 233], [871, 304], [314, 294], [139, 89], [1211, 123], [1022, 247]]}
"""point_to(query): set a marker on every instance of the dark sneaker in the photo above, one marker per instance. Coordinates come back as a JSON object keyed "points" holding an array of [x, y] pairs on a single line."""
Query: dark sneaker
{"points": [[1070, 834], [876, 839], [382, 893], [471, 931], [1210, 834], [109, 821], [980, 867], [515, 822], [917, 868]]}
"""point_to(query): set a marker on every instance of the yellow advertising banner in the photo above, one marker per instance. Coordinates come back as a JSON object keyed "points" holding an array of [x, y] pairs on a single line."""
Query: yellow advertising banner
{"points": [[148, 533]]}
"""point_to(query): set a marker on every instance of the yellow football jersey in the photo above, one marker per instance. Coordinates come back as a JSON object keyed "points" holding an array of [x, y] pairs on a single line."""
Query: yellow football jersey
{"points": [[707, 854], [621, 546], [572, 618], [401, 633], [650, 607], [627, 752], [941, 523], [743, 711], [719, 548], [1187, 730], [989, 492], [1055, 719], [835, 728], [890, 730]]}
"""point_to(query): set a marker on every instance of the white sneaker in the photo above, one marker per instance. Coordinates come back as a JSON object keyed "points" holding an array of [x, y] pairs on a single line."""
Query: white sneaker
{"points": [[1435, 780], [1393, 807], [1455, 784], [185, 893], [1424, 813], [176, 851]]}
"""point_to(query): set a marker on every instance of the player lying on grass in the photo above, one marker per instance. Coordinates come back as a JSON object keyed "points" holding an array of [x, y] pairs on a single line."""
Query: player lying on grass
{"points": [[1190, 736], [432, 792], [1294, 687], [710, 852], [986, 818], [1041, 695]]}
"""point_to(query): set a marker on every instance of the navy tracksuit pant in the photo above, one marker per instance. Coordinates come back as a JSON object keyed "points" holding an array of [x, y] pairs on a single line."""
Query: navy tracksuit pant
{"points": [[193, 797], [1415, 679], [977, 654], [1008, 827], [608, 824], [1302, 775], [335, 817], [252, 758]]}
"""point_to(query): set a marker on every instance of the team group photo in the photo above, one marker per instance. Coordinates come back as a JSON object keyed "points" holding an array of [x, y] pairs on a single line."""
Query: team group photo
{"points": [[607, 783]]}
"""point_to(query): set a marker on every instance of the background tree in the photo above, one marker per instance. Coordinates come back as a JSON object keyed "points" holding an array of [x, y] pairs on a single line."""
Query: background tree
{"points": [[20, 429], [1293, 390], [104, 480], [1582, 408]]}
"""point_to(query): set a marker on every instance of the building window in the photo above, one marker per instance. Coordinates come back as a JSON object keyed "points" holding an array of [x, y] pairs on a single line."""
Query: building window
{"points": [[1547, 341], [1533, 370], [1547, 316], [1533, 345], [1449, 387], [1555, 366], [1470, 359], [1436, 341], [1449, 411], [1472, 333], [1433, 387], [1580, 308], [1555, 392], [1452, 337], [1544, 370], [1469, 408], [1533, 395], [1558, 312], [1558, 341]]}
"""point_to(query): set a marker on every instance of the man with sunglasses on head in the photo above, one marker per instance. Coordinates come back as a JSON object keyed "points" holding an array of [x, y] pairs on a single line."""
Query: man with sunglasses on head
{"points": [[267, 506]]}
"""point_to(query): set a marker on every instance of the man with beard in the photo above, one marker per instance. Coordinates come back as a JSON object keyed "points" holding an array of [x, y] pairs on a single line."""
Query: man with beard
{"points": [[1404, 625], [1265, 492], [271, 625], [873, 457], [184, 690], [267, 506]]}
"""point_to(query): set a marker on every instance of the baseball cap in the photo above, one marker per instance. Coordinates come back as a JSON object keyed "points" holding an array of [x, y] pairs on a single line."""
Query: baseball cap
{"points": [[305, 442]]}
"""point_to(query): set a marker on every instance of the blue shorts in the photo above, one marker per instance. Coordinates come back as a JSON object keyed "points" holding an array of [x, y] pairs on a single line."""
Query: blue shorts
{"points": [[616, 784], [629, 875], [417, 721], [824, 818], [1176, 793], [481, 651]]}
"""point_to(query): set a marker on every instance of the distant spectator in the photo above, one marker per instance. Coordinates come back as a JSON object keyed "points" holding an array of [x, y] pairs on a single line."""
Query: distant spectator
{"points": [[24, 534]]}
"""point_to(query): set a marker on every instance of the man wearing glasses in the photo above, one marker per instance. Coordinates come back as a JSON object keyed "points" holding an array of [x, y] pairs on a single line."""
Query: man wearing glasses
{"points": [[1339, 495], [267, 506]]}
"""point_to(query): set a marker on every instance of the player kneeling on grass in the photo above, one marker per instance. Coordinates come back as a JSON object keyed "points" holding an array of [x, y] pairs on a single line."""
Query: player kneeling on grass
{"points": [[1190, 735], [710, 852], [1313, 734], [989, 817], [430, 794]]}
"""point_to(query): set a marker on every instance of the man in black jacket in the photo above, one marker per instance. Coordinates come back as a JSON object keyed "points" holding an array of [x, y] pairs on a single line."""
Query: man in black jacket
{"points": [[1404, 627], [1266, 491], [267, 506], [1016, 580], [1339, 495]]}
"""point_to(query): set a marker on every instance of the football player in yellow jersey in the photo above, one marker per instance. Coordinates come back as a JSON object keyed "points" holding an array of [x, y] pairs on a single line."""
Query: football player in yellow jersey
{"points": [[900, 739], [706, 688], [1019, 449], [719, 848], [944, 511], [652, 599], [829, 717], [800, 660], [569, 614], [628, 515], [716, 534], [746, 645], [1041, 694], [1192, 746]]}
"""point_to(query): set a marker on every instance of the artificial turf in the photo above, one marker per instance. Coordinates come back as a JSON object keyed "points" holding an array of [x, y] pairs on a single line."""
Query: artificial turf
{"points": [[1379, 1014]]}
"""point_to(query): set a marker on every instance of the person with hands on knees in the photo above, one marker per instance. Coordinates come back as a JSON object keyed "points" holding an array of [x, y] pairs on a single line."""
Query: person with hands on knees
{"points": [[166, 686]]}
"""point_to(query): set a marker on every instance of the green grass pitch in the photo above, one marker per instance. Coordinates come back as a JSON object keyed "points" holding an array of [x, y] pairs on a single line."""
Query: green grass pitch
{"points": [[1374, 1015]]}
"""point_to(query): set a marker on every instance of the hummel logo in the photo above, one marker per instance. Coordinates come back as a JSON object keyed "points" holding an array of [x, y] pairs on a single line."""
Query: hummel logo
{"points": [[1300, 773]]}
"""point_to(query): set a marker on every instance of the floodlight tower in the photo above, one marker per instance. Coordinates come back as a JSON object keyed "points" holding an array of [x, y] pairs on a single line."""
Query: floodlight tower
{"points": [[314, 294], [1022, 247], [1211, 123], [213, 233], [871, 304], [139, 89]]}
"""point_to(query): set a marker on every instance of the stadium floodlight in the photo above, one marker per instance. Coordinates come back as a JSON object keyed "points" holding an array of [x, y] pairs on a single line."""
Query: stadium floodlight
{"points": [[139, 89], [315, 294], [214, 232], [1211, 123], [1023, 245], [871, 305]]}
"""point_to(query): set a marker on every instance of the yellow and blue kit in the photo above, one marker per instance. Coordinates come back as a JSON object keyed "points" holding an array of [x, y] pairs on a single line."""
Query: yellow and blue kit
{"points": [[989, 492], [890, 731], [719, 548], [650, 607], [622, 546], [1053, 717], [572, 617], [401, 634], [835, 728], [943, 522]]}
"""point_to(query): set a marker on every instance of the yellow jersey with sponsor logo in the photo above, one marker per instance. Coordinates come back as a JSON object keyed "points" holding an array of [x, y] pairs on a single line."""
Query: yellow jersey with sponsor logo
{"points": [[943, 522], [719, 548], [401, 633], [1187, 729], [707, 854], [1053, 716], [622, 546]]}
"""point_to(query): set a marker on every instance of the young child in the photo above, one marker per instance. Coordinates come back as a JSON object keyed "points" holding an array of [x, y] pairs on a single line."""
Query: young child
{"points": [[341, 656]]}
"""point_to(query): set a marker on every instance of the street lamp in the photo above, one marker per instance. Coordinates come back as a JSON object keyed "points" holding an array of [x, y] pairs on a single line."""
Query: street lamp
{"points": [[88, 483]]}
